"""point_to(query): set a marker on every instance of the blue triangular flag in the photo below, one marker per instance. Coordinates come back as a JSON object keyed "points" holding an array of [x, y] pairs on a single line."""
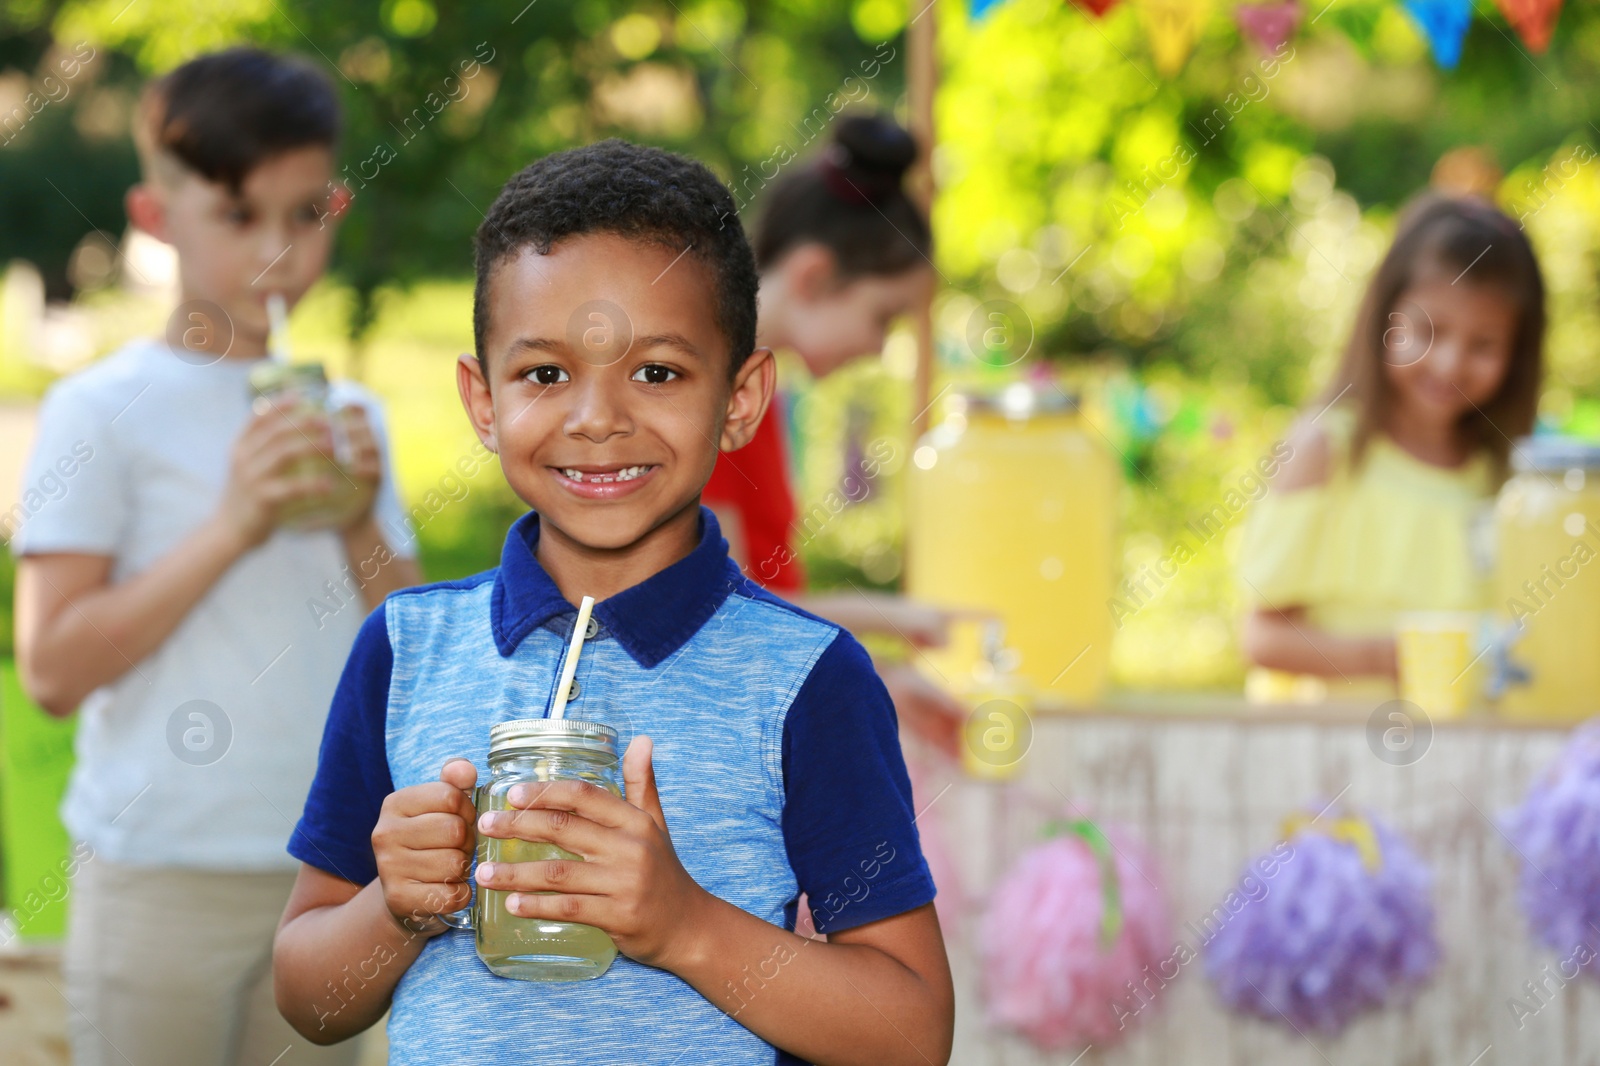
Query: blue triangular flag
{"points": [[1444, 23], [976, 9]]}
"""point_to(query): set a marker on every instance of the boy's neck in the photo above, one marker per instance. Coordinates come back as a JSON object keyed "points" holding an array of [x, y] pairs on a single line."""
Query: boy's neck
{"points": [[579, 570]]}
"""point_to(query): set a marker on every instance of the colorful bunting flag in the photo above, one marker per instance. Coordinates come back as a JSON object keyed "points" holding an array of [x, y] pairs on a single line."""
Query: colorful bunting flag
{"points": [[1174, 27], [976, 9], [1270, 25], [1444, 24], [1534, 20], [1097, 8]]}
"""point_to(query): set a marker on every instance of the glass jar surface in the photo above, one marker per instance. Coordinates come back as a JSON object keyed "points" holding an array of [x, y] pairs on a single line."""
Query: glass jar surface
{"points": [[300, 391], [529, 751]]}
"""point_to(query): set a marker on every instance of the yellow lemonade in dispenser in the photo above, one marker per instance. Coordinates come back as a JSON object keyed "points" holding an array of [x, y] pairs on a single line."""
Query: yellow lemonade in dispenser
{"points": [[1013, 510], [1547, 580]]}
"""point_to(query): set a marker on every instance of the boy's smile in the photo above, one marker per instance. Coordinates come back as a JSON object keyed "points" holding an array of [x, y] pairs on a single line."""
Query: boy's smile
{"points": [[608, 397]]}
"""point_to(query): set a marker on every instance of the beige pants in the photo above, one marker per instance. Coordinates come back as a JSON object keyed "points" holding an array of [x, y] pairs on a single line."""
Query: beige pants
{"points": [[168, 967]]}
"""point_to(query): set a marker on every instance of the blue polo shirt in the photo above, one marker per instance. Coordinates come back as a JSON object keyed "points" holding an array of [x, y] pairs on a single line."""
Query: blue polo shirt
{"points": [[776, 756]]}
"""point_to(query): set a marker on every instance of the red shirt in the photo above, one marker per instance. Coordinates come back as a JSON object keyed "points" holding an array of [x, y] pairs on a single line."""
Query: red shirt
{"points": [[753, 482]]}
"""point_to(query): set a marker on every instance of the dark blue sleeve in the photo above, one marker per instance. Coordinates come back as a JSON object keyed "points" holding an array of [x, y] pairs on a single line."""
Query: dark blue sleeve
{"points": [[848, 822], [335, 830]]}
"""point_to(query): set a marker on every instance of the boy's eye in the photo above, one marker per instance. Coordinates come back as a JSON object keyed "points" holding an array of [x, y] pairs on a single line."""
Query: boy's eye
{"points": [[654, 374], [546, 374], [239, 216]]}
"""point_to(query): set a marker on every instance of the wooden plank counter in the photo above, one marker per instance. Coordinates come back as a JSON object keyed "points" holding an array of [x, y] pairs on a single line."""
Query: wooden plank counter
{"points": [[1206, 783]]}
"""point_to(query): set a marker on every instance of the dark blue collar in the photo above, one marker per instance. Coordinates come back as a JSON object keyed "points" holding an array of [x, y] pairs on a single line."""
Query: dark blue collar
{"points": [[651, 620]]}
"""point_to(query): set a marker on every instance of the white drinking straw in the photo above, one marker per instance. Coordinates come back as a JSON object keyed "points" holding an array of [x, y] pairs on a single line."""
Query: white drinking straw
{"points": [[278, 337], [570, 666]]}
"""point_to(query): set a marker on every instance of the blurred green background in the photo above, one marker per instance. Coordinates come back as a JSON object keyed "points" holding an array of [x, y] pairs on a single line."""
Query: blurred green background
{"points": [[1193, 309]]}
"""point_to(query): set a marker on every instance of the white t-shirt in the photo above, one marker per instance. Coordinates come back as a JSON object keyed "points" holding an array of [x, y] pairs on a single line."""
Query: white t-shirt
{"points": [[202, 753]]}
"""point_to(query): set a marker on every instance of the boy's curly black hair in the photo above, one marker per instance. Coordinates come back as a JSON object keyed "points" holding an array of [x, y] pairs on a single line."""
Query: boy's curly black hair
{"points": [[640, 193]]}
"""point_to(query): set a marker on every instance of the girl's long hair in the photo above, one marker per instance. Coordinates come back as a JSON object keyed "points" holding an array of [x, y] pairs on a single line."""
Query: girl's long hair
{"points": [[1450, 235]]}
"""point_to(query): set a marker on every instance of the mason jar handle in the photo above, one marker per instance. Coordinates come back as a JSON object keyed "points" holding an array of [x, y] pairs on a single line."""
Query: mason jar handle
{"points": [[462, 919]]}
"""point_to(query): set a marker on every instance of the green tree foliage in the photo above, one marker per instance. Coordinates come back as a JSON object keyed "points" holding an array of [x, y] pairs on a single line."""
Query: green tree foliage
{"points": [[445, 100]]}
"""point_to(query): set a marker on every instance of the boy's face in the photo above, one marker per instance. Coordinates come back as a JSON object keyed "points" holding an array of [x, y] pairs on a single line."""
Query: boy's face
{"points": [[608, 394], [235, 249]]}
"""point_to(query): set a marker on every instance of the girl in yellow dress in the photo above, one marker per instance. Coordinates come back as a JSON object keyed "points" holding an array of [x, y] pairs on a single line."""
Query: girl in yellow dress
{"points": [[1382, 502]]}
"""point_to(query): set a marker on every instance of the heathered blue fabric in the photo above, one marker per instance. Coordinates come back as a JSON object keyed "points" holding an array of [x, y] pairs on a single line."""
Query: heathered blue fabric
{"points": [[712, 668]]}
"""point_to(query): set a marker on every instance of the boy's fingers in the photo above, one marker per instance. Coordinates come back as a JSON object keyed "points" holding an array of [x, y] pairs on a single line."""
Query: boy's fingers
{"points": [[284, 489], [439, 866], [564, 908], [554, 875], [572, 831], [440, 897], [459, 773], [639, 775], [435, 796], [581, 797], [433, 830]]}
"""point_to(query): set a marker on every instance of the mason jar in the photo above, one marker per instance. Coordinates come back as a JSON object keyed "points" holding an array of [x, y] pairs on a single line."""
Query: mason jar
{"points": [[300, 391], [529, 751]]}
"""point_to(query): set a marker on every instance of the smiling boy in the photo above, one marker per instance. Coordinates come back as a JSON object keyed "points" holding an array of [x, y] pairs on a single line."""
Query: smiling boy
{"points": [[615, 334]]}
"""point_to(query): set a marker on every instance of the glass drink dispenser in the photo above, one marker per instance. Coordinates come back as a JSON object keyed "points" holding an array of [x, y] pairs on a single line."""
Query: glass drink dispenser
{"points": [[1013, 509], [1547, 580]]}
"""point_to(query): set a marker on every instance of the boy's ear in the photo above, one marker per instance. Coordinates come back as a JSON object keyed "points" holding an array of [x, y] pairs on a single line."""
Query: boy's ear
{"points": [[147, 209], [476, 399], [752, 393], [340, 198]]}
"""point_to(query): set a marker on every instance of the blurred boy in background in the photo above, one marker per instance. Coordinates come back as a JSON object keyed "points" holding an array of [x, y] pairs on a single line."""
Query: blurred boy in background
{"points": [[162, 594]]}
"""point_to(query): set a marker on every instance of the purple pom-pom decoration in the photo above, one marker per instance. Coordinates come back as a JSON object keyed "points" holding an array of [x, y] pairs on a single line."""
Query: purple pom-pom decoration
{"points": [[1069, 931], [1343, 924], [1556, 831]]}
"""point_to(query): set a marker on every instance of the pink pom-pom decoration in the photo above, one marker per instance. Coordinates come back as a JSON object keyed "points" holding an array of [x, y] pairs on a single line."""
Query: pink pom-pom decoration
{"points": [[1344, 925], [1556, 832], [1070, 930]]}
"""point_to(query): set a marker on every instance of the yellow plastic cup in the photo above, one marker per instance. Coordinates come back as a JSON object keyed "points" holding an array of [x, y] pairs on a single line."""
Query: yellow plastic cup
{"points": [[1441, 660]]}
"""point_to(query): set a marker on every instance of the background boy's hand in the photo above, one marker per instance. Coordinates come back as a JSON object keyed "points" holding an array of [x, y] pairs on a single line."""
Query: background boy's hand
{"points": [[632, 884], [423, 843], [259, 481], [362, 460], [925, 708]]}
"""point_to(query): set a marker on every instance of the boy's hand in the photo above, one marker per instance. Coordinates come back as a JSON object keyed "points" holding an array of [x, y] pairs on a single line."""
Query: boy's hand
{"points": [[363, 463], [631, 884], [259, 483], [423, 843]]}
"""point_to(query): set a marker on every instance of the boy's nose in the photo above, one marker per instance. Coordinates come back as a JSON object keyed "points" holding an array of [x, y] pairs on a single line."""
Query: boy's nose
{"points": [[273, 252], [598, 410]]}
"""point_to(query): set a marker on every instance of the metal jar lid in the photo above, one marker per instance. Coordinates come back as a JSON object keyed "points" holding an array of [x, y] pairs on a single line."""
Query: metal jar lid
{"points": [[1020, 400], [1549, 454], [546, 733]]}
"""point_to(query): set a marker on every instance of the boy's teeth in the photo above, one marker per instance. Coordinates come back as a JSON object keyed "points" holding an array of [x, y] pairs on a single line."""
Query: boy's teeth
{"points": [[627, 473]]}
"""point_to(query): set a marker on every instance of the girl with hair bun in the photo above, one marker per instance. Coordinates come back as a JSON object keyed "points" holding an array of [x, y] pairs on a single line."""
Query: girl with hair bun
{"points": [[843, 251]]}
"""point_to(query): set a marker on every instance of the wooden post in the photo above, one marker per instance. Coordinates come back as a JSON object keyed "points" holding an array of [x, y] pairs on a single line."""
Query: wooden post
{"points": [[922, 80]]}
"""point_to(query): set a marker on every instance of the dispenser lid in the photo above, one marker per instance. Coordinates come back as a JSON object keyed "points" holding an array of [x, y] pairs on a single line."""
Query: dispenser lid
{"points": [[1019, 400]]}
